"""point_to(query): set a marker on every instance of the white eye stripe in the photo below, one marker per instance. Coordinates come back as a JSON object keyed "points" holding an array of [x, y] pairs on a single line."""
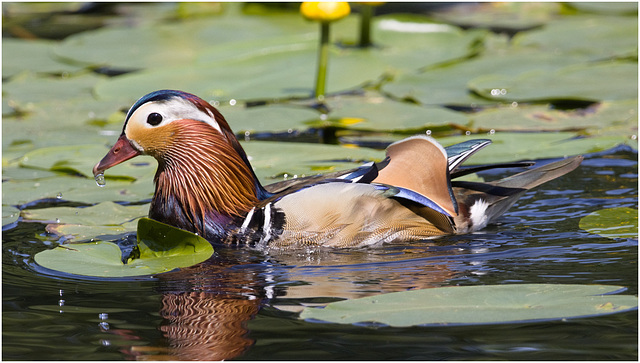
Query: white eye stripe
{"points": [[172, 110]]}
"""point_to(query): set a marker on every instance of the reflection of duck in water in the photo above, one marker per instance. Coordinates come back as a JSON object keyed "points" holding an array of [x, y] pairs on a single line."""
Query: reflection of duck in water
{"points": [[205, 184], [207, 309]]}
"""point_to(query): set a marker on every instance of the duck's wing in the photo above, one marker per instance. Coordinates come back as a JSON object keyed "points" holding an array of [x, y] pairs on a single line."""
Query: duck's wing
{"points": [[344, 214], [420, 165]]}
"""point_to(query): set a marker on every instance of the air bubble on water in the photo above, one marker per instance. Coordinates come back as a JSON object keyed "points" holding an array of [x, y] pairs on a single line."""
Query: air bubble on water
{"points": [[57, 220], [59, 196], [100, 180]]}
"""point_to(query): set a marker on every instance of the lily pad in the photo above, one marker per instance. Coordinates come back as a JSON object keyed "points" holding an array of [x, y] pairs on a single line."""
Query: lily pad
{"points": [[81, 232], [612, 223], [273, 76], [34, 55], [545, 118], [448, 85], [592, 82], [80, 159], [9, 214], [514, 16], [512, 146], [162, 249], [491, 304], [598, 37], [272, 160], [107, 213], [377, 113]]}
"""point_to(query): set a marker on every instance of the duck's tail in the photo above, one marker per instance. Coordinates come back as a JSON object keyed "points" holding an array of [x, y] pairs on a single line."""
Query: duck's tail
{"points": [[480, 204]]}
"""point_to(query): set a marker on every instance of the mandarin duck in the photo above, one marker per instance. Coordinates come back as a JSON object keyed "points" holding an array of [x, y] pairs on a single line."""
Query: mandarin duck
{"points": [[205, 184]]}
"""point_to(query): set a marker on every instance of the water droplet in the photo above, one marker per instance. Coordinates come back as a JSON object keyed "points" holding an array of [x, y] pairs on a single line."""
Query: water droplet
{"points": [[60, 302], [232, 102], [428, 132], [103, 316], [57, 220], [467, 133], [59, 196], [100, 180], [492, 132]]}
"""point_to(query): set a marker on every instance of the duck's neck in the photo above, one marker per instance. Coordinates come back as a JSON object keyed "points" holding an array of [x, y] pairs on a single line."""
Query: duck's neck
{"points": [[203, 183]]}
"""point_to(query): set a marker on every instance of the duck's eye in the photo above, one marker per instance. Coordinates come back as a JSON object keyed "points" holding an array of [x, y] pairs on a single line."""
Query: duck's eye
{"points": [[154, 119]]}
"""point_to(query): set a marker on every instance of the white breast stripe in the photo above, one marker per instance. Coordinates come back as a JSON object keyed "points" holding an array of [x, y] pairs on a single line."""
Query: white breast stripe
{"points": [[266, 228], [247, 220]]}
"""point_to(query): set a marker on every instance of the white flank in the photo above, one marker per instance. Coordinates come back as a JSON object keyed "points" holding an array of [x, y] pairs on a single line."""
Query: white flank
{"points": [[478, 215]]}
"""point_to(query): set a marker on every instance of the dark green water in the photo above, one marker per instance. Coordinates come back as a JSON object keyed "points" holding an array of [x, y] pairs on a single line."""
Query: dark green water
{"points": [[244, 305]]}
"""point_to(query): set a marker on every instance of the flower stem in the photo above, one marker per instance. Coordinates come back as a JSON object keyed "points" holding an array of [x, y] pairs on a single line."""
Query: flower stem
{"points": [[365, 25], [323, 60]]}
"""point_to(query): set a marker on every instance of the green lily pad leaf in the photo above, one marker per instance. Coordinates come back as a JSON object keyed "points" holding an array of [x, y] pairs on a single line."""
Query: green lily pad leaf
{"points": [[448, 85], [272, 160], [612, 223], [491, 304], [34, 55], [270, 118], [162, 249], [9, 214], [107, 213], [598, 37], [173, 44], [28, 89], [62, 123], [592, 82], [71, 188], [628, 8], [81, 232], [273, 76], [512, 146], [377, 113], [509, 15], [80, 159], [546, 118]]}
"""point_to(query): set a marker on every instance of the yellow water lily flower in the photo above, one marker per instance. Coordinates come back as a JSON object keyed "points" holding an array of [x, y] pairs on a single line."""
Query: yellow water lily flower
{"points": [[325, 11]]}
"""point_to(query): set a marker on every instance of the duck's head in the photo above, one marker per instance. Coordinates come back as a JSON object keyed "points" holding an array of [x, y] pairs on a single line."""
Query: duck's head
{"points": [[203, 172]]}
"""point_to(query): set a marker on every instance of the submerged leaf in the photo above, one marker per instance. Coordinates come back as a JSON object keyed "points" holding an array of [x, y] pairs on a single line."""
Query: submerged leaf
{"points": [[162, 248], [612, 223], [491, 304]]}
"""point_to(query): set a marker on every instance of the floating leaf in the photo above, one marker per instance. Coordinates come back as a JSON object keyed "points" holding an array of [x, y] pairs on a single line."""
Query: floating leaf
{"points": [[107, 213], [598, 37], [591, 82], [491, 304], [9, 214], [612, 223], [271, 118], [546, 118], [381, 114], [513, 16], [33, 55], [80, 159], [162, 248], [272, 159], [448, 85], [512, 146], [82, 232]]}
